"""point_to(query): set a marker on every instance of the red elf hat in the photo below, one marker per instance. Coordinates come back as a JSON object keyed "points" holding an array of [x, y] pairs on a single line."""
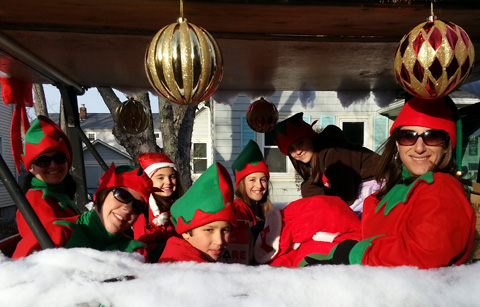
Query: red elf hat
{"points": [[291, 130], [208, 200], [249, 161], [127, 176], [152, 161], [44, 136]]}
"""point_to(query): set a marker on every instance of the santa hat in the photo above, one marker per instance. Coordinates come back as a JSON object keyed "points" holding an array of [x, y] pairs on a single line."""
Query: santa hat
{"points": [[439, 113], [44, 136], [127, 176], [249, 161], [208, 200], [152, 161], [291, 130]]}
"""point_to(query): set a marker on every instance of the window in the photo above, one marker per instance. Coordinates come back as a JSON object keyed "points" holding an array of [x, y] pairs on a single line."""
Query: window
{"points": [[354, 131], [91, 136], [199, 157], [276, 161], [157, 135]]}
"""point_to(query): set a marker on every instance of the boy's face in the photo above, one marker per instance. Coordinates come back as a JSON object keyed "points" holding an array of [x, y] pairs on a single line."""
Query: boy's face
{"points": [[211, 238]]}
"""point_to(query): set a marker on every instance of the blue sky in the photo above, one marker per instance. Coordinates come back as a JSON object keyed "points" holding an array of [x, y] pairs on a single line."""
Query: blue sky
{"points": [[92, 100]]}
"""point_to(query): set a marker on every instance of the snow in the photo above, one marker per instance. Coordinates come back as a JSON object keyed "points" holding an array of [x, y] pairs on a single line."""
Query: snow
{"points": [[76, 277]]}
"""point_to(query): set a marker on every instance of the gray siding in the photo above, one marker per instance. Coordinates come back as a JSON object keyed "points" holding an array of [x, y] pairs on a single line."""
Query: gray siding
{"points": [[6, 201]]}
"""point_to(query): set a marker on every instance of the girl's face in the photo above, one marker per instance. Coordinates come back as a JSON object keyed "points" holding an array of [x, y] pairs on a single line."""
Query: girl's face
{"points": [[116, 214], [419, 158], [301, 150], [211, 239], [165, 181], [255, 185], [50, 167]]}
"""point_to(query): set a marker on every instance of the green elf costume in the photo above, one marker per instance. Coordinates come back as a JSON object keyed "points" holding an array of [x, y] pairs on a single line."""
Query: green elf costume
{"points": [[427, 223], [208, 200], [240, 249], [49, 201], [87, 230]]}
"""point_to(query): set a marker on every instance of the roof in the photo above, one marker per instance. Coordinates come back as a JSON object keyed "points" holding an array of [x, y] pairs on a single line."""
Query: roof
{"points": [[267, 45]]}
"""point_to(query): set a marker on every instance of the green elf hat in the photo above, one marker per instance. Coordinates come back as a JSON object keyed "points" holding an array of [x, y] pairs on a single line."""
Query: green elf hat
{"points": [[44, 136], [290, 130], [441, 113], [126, 176], [249, 161], [208, 200]]}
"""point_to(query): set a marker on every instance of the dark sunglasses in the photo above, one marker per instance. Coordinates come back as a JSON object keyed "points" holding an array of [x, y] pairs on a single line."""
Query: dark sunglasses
{"points": [[435, 137], [125, 197], [44, 161]]}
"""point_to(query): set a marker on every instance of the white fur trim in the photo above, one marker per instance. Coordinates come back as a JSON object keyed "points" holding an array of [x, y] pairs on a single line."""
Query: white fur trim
{"points": [[269, 237], [325, 236], [161, 219], [151, 169], [153, 205]]}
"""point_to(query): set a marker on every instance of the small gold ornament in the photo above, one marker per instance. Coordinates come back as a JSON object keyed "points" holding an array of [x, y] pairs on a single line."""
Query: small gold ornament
{"points": [[132, 117], [262, 115], [184, 63], [433, 59]]}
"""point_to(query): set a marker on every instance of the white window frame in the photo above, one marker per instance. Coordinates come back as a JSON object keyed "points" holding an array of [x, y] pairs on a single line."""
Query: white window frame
{"points": [[193, 158], [94, 136]]}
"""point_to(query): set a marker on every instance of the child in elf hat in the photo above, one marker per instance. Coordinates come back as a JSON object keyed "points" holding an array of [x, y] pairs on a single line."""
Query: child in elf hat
{"points": [[421, 217], [327, 162], [155, 228], [48, 187], [204, 217], [119, 200], [251, 202]]}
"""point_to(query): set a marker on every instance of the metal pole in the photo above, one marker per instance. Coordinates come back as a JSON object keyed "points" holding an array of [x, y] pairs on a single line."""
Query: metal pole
{"points": [[70, 107], [24, 206]]}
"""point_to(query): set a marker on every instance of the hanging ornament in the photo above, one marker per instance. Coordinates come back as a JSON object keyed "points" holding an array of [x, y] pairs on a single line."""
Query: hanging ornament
{"points": [[184, 63], [132, 117], [262, 115], [434, 59]]}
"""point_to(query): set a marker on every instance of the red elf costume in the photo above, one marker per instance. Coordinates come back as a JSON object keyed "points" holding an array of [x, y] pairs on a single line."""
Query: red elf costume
{"points": [[49, 201], [240, 248], [423, 221], [87, 230], [208, 200], [157, 228]]}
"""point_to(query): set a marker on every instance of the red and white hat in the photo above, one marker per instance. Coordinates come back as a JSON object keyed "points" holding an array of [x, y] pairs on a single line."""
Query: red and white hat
{"points": [[153, 161]]}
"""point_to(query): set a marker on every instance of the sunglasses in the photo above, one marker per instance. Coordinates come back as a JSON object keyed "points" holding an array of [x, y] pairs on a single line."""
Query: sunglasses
{"points": [[125, 197], [44, 161], [435, 137]]}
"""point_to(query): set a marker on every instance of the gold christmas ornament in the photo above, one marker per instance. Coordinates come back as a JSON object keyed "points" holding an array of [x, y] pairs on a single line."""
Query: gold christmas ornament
{"points": [[132, 117], [262, 115], [184, 63], [433, 59]]}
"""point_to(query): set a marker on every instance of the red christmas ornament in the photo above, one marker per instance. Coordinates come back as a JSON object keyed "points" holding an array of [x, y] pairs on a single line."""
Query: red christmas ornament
{"points": [[434, 59], [262, 115]]}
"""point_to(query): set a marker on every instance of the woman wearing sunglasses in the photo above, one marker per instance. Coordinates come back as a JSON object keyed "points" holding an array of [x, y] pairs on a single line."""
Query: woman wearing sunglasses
{"points": [[48, 187], [121, 197], [421, 217]]}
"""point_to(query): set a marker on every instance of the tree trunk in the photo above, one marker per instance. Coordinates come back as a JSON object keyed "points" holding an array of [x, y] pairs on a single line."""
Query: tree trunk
{"points": [[134, 144], [176, 125], [39, 98]]}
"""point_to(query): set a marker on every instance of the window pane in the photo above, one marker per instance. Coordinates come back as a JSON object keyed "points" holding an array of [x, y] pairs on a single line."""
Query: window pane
{"points": [[354, 132], [276, 161], [199, 166], [199, 150], [269, 136]]}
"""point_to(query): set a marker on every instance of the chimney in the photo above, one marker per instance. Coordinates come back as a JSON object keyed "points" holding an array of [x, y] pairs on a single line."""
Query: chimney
{"points": [[83, 112]]}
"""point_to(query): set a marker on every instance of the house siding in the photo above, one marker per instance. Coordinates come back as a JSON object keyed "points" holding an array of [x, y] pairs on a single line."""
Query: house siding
{"points": [[7, 205]]}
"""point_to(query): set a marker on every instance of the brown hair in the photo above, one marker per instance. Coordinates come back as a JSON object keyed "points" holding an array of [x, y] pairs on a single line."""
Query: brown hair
{"points": [[100, 198], [259, 208], [164, 203], [389, 170]]}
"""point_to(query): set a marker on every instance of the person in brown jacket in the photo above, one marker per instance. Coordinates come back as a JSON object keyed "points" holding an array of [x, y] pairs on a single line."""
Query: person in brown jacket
{"points": [[328, 163]]}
